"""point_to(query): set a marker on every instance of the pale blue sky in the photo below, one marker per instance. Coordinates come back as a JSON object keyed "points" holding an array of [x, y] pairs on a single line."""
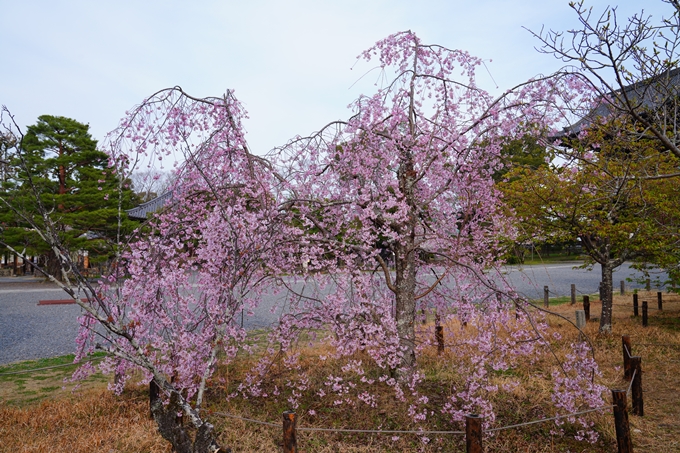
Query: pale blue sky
{"points": [[288, 61]]}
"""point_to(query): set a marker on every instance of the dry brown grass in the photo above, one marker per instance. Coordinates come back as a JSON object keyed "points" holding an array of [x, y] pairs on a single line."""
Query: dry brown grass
{"points": [[659, 346], [94, 420]]}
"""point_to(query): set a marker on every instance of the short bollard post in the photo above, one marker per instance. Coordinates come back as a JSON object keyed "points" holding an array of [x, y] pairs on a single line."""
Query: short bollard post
{"points": [[580, 319], [648, 285], [573, 294], [625, 341], [623, 287], [289, 436], [636, 388], [586, 307], [644, 313], [623, 439], [546, 296], [659, 299], [580, 322], [473, 433], [635, 305]]}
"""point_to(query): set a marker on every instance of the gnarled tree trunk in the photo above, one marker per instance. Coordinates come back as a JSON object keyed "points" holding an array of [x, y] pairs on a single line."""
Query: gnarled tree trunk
{"points": [[172, 429]]}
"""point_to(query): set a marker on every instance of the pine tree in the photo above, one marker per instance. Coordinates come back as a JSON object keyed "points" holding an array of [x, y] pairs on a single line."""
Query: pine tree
{"points": [[58, 159]]}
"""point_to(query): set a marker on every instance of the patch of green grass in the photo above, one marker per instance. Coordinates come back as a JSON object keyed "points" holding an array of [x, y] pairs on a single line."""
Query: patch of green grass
{"points": [[554, 258], [561, 300], [50, 389], [33, 364], [32, 381], [29, 365], [671, 323], [506, 373]]}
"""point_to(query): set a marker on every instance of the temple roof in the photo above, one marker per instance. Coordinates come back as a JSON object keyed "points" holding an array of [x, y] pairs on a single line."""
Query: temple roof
{"points": [[144, 210]]}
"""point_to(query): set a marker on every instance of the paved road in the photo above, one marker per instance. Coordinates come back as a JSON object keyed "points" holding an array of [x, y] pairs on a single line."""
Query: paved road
{"points": [[529, 280], [31, 331]]}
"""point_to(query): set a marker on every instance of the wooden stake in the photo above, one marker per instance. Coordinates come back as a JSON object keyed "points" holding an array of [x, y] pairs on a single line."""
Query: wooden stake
{"points": [[644, 313], [636, 388], [586, 307], [635, 305], [573, 294], [623, 439], [473, 433], [439, 335], [659, 300], [289, 435], [546, 296], [625, 341]]}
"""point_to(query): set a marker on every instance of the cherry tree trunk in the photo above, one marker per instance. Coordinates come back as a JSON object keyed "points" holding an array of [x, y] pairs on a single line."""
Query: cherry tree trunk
{"points": [[405, 285], [172, 428]]}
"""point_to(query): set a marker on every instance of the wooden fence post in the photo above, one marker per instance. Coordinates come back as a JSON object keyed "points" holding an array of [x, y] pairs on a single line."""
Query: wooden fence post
{"points": [[289, 436], [625, 342], [659, 299], [586, 307], [623, 439], [638, 405], [546, 296], [644, 313], [635, 305], [573, 294], [473, 434], [623, 287], [439, 335], [648, 285]]}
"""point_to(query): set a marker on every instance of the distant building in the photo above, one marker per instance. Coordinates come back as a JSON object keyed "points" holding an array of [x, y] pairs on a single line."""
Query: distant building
{"points": [[648, 94], [145, 210]]}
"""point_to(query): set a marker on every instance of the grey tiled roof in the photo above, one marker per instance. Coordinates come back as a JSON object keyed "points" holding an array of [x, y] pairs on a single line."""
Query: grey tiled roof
{"points": [[144, 210], [649, 93]]}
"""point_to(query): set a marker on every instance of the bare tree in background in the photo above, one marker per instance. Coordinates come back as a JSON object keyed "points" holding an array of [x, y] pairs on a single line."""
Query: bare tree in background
{"points": [[633, 65], [149, 184]]}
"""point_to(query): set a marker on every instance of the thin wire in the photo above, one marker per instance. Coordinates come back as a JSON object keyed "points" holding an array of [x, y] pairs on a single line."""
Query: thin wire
{"points": [[258, 422], [627, 351], [630, 386], [662, 345], [374, 431], [51, 367], [549, 419], [379, 431]]}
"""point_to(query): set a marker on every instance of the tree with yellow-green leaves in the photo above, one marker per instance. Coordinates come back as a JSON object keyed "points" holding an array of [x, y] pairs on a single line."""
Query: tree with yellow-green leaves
{"points": [[599, 189]]}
